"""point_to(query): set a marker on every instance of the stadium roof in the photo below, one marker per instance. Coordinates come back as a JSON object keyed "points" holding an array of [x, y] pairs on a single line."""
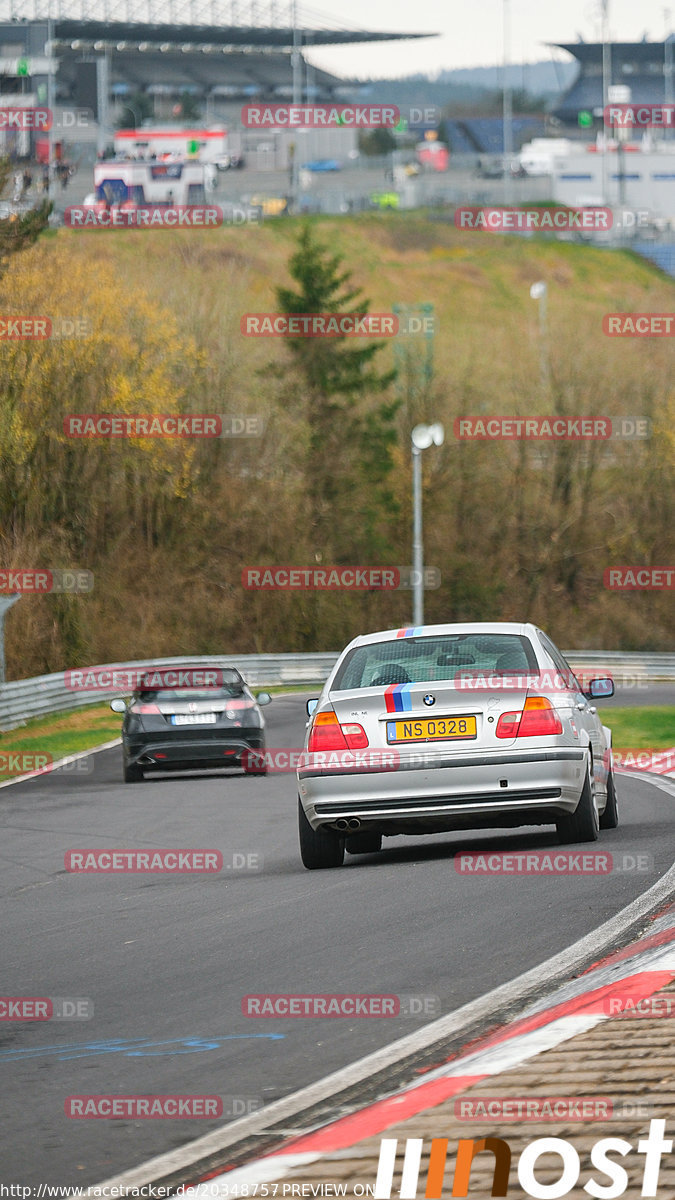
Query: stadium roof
{"points": [[591, 52], [214, 22], [216, 35]]}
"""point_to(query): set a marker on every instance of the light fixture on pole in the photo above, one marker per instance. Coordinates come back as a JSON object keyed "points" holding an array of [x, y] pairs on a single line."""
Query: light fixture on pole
{"points": [[421, 438]]}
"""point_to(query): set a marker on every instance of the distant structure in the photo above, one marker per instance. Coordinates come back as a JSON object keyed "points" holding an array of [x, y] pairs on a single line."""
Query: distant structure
{"points": [[214, 50], [641, 66]]}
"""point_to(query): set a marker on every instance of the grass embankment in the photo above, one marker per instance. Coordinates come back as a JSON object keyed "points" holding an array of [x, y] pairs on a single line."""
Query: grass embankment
{"points": [[640, 728], [519, 531]]}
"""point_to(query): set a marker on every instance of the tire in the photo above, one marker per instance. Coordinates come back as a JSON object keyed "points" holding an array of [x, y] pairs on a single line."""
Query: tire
{"points": [[610, 817], [319, 850], [363, 843], [253, 763], [132, 773], [583, 825]]}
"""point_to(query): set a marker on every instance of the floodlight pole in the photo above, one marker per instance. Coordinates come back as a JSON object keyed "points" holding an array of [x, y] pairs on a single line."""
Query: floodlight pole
{"points": [[296, 60], [50, 108], [606, 83], [418, 549], [507, 108], [668, 68], [421, 437]]}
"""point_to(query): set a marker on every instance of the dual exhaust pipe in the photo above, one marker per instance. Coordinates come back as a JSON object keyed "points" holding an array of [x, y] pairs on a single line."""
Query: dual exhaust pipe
{"points": [[351, 823]]}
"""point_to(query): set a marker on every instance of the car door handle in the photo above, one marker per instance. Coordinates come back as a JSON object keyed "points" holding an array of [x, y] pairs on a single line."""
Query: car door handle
{"points": [[592, 710], [582, 707]]}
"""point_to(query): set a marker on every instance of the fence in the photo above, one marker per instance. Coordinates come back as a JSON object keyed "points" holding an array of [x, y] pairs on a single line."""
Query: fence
{"points": [[25, 698]]}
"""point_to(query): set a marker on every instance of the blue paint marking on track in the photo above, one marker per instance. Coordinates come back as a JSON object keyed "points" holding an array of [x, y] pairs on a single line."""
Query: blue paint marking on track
{"points": [[133, 1048]]}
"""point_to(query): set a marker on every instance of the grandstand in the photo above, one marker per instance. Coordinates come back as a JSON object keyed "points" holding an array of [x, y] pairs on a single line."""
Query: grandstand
{"points": [[637, 65], [485, 135], [214, 50]]}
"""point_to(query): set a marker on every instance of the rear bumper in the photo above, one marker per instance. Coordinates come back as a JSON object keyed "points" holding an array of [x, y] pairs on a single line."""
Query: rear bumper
{"points": [[163, 754], [505, 789]]}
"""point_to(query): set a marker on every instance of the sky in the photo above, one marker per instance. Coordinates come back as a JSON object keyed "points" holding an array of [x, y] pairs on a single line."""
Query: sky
{"points": [[472, 31]]}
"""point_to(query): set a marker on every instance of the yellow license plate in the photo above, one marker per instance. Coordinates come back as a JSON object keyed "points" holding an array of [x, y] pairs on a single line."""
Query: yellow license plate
{"points": [[431, 729]]}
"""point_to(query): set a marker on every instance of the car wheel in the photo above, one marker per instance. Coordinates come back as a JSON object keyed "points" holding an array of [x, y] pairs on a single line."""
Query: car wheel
{"points": [[363, 843], [583, 824], [132, 773], [253, 762], [610, 817], [319, 849]]}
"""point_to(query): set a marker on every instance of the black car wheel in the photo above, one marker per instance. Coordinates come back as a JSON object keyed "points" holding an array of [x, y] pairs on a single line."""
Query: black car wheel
{"points": [[318, 849], [132, 773], [583, 824], [610, 817]]}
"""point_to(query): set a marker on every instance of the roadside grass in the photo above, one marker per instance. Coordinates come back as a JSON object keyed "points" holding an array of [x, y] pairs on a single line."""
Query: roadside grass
{"points": [[64, 733], [59, 734], [640, 728]]}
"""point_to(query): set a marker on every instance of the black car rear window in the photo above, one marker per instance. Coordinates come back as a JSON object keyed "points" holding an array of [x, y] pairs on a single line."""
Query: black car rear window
{"points": [[425, 659], [191, 682]]}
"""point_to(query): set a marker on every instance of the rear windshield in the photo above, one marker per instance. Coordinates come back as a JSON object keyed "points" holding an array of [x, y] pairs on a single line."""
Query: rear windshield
{"points": [[425, 659], [191, 683]]}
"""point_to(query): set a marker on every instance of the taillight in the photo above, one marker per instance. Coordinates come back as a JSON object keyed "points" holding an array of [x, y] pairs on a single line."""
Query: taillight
{"points": [[328, 734], [537, 718], [355, 736], [145, 708]]}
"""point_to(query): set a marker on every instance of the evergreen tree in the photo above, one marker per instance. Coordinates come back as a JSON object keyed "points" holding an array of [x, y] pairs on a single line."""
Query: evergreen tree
{"points": [[350, 433]]}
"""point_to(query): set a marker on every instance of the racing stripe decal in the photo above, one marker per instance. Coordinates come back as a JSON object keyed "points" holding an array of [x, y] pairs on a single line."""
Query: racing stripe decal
{"points": [[397, 697]]}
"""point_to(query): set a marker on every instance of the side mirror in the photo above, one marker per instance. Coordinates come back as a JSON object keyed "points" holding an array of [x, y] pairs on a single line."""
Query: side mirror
{"points": [[118, 706], [311, 705], [263, 698], [599, 689]]}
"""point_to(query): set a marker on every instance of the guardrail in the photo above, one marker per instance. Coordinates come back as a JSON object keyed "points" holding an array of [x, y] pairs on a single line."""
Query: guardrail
{"points": [[22, 699]]}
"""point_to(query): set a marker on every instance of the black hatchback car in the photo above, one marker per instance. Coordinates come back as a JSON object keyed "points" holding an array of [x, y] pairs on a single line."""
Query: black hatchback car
{"points": [[189, 717]]}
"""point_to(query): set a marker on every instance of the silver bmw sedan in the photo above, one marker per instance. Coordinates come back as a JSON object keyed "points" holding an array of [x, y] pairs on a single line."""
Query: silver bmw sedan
{"points": [[452, 727]]}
